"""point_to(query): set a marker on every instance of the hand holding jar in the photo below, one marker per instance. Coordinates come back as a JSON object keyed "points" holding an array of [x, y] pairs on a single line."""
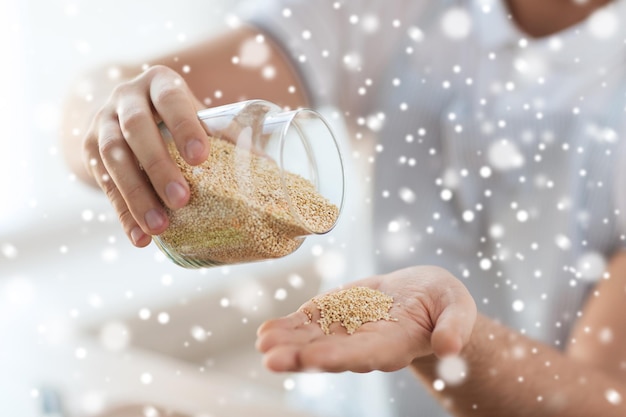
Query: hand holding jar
{"points": [[236, 183], [272, 178], [132, 168]]}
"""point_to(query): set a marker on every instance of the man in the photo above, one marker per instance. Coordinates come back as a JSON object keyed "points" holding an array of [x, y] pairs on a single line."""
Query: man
{"points": [[496, 125]]}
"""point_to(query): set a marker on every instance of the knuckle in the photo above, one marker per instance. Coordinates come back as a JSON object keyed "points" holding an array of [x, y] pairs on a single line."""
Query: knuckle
{"points": [[135, 192], [132, 119], [89, 151], [182, 126], [109, 147], [122, 89], [126, 218], [117, 201], [90, 161], [100, 114], [155, 165], [89, 146], [168, 92], [156, 70], [90, 138], [111, 191], [165, 73]]}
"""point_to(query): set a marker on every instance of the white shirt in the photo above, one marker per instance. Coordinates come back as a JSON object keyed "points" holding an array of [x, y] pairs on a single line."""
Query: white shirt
{"points": [[496, 152]]}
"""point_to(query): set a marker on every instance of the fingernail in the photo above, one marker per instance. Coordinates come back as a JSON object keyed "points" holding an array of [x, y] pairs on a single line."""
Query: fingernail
{"points": [[137, 234], [194, 149], [176, 194], [154, 219]]}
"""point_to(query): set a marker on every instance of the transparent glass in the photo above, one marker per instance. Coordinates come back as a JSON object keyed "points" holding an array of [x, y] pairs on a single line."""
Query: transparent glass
{"points": [[272, 178]]}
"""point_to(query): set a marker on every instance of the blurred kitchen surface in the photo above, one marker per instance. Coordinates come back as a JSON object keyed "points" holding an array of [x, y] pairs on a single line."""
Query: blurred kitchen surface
{"points": [[90, 323]]}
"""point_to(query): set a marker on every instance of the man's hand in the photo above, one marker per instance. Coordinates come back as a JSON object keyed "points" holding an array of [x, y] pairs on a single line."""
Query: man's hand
{"points": [[127, 157], [110, 134], [435, 314]]}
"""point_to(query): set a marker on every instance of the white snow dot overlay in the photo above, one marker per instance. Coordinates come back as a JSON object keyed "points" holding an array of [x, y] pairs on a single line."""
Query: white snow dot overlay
{"points": [[452, 370], [613, 396], [253, 53], [590, 266], [289, 384], [603, 24], [518, 305], [504, 155], [114, 336], [456, 23], [438, 385]]}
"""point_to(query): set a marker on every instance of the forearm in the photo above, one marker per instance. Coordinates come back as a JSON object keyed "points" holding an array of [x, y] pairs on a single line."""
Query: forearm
{"points": [[510, 374], [210, 71]]}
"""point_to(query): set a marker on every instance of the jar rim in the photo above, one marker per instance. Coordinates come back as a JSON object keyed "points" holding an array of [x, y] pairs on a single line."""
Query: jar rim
{"points": [[292, 121]]}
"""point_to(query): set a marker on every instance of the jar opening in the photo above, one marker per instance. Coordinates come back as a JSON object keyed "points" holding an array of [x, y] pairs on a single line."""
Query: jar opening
{"points": [[309, 149], [272, 177]]}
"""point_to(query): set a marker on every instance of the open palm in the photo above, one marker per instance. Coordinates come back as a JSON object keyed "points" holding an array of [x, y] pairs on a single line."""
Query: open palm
{"points": [[433, 312]]}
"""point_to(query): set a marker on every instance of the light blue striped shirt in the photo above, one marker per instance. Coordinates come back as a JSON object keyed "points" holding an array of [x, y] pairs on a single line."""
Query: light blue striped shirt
{"points": [[495, 153]]}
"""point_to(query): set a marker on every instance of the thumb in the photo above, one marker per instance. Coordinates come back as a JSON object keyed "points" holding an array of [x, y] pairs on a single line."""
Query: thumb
{"points": [[454, 327]]}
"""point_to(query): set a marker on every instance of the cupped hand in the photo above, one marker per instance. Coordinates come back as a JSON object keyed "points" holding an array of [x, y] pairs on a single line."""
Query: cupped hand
{"points": [[126, 155], [434, 314]]}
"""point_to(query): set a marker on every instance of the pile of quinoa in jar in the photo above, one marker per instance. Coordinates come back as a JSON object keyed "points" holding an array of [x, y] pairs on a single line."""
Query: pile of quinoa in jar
{"points": [[243, 208]]}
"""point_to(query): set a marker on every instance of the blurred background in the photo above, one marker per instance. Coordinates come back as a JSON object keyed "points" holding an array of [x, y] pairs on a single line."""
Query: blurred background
{"points": [[91, 325]]}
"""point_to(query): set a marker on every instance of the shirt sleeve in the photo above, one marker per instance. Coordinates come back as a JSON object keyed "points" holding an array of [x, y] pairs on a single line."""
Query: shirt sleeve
{"points": [[309, 33], [336, 46]]}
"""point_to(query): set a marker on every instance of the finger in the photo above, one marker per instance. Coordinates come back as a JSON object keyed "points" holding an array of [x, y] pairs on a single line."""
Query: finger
{"points": [[97, 169], [174, 104], [137, 193], [287, 336], [363, 351], [291, 321], [297, 327], [454, 327], [283, 358], [143, 137]]}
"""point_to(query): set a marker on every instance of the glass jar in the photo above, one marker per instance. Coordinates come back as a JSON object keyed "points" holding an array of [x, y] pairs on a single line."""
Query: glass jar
{"points": [[272, 178]]}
